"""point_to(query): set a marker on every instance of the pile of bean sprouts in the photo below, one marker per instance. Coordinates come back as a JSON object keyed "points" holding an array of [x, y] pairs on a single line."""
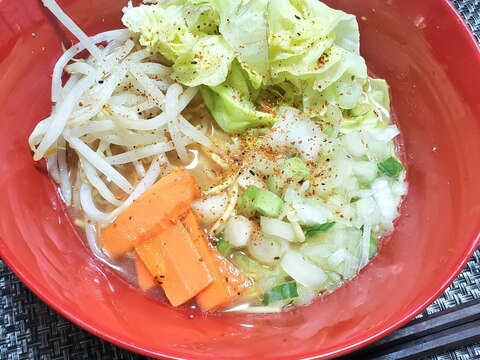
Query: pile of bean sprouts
{"points": [[117, 97]]}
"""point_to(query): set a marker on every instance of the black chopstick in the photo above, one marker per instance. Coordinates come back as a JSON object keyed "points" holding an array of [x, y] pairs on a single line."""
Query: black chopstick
{"points": [[429, 335]]}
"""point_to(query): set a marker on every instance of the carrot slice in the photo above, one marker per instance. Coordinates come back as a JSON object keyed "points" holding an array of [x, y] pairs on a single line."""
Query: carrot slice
{"points": [[145, 279], [173, 259], [229, 281], [167, 200]]}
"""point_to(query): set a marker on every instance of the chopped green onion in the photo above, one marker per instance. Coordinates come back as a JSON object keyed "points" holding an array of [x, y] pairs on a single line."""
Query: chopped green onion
{"points": [[390, 167], [285, 291], [267, 203], [258, 200], [223, 247], [245, 203], [354, 199], [311, 230], [373, 248]]}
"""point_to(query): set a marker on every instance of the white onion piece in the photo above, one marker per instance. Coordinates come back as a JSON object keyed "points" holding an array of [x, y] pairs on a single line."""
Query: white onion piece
{"points": [[278, 229], [267, 251], [354, 144], [246, 179], [297, 229], [318, 253], [377, 148], [211, 208], [294, 130], [238, 231], [384, 198], [365, 171], [261, 163], [399, 188], [349, 267], [337, 257], [308, 211], [368, 212], [349, 93], [186, 97], [302, 270], [365, 248], [305, 296], [385, 135]]}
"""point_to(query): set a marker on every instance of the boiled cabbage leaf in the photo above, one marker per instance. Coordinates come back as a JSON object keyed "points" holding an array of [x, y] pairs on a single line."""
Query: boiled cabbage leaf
{"points": [[302, 51], [232, 103]]}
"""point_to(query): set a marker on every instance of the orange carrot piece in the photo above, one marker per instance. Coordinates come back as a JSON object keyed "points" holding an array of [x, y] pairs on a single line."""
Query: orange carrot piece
{"points": [[145, 279], [229, 281], [173, 259], [154, 211]]}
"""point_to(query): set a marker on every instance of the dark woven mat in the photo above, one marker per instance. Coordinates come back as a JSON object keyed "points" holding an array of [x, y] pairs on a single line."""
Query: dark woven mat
{"points": [[29, 329], [470, 10]]}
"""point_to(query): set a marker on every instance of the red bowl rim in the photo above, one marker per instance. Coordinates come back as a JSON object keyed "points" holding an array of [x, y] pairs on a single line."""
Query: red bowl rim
{"points": [[49, 298]]}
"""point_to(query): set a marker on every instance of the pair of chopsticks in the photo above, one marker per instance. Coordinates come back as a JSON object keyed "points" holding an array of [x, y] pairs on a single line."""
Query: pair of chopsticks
{"points": [[429, 335]]}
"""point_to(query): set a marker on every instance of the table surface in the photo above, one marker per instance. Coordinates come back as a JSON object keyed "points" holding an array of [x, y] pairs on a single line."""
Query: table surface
{"points": [[29, 329]]}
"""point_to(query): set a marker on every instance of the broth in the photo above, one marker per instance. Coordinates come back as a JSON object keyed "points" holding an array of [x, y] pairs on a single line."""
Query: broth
{"points": [[210, 172], [296, 205]]}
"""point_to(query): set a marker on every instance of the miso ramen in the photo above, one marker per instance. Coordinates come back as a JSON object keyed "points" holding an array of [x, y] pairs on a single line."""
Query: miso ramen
{"points": [[235, 156]]}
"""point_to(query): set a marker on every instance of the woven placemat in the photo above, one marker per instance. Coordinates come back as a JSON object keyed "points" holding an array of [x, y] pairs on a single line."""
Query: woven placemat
{"points": [[470, 10], [29, 329]]}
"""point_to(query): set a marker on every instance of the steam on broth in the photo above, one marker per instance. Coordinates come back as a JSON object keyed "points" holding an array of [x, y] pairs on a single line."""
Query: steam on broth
{"points": [[235, 173]]}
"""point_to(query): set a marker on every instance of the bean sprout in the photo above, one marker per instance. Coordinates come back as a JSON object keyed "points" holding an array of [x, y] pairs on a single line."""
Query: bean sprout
{"points": [[232, 202]]}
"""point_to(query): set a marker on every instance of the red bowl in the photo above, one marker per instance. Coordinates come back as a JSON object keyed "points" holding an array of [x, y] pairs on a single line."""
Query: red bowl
{"points": [[432, 64]]}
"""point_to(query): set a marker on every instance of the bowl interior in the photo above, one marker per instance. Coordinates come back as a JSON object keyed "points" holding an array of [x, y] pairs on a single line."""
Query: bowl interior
{"points": [[432, 64]]}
